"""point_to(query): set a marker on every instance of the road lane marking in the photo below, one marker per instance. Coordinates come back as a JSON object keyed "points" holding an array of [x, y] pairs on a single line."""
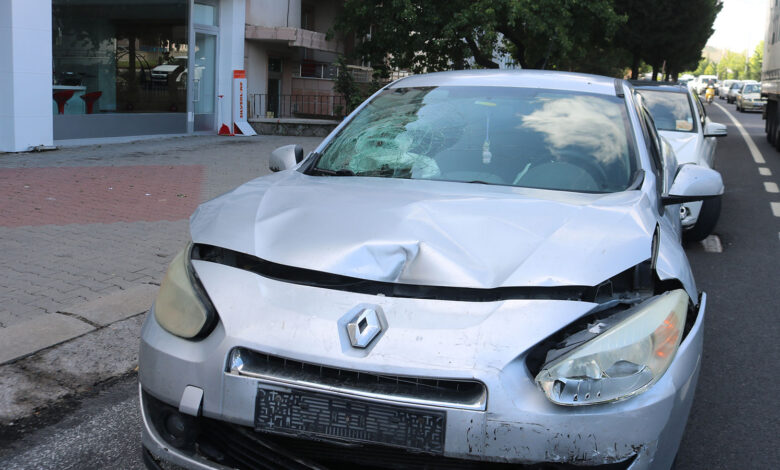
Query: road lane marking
{"points": [[712, 244], [764, 171], [771, 187], [757, 157], [775, 208]]}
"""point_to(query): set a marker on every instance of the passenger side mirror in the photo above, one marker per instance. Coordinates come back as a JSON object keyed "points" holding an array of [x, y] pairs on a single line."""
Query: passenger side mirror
{"points": [[713, 129], [285, 157], [694, 183]]}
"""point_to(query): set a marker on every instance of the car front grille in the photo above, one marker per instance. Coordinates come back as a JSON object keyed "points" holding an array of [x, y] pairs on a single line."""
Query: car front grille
{"points": [[454, 393]]}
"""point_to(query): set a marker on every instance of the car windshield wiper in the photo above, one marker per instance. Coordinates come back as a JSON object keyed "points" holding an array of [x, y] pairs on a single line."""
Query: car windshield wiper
{"points": [[326, 172], [479, 182]]}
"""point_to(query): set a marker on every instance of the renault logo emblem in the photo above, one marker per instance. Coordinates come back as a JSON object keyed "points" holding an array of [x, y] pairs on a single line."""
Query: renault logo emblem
{"points": [[364, 327]]}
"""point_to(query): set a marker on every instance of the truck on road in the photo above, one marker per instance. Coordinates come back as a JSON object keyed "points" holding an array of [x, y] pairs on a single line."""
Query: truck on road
{"points": [[770, 77]]}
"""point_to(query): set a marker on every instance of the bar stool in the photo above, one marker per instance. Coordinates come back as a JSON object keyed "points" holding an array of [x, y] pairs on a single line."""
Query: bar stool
{"points": [[62, 97], [90, 98]]}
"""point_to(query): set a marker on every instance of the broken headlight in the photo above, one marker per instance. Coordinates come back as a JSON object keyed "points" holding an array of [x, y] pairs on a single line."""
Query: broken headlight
{"points": [[618, 358], [182, 306]]}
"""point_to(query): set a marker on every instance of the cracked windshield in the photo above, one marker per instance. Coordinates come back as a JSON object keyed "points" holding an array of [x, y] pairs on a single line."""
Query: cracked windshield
{"points": [[533, 138]]}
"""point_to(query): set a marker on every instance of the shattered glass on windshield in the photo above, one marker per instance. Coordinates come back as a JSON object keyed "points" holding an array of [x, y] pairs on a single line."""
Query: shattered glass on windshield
{"points": [[493, 135]]}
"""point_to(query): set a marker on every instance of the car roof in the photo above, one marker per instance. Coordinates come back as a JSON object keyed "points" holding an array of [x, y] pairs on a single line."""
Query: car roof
{"points": [[514, 78], [660, 86]]}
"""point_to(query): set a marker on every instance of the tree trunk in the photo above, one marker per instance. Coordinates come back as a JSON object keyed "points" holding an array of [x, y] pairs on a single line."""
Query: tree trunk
{"points": [[479, 57], [656, 70], [635, 67]]}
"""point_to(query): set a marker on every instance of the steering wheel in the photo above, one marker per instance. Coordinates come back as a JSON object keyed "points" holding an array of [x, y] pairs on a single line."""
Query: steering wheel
{"points": [[590, 166]]}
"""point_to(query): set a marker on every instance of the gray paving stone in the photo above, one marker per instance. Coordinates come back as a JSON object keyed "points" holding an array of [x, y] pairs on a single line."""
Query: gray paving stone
{"points": [[116, 306], [40, 332]]}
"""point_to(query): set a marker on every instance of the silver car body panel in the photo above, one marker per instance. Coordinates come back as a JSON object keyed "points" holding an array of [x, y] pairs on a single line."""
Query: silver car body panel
{"points": [[431, 232]]}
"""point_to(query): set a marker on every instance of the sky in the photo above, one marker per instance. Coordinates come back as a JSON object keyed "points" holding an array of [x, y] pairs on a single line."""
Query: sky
{"points": [[740, 25]]}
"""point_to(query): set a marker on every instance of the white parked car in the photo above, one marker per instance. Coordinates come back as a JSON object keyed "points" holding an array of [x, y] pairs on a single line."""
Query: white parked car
{"points": [[725, 86], [681, 119]]}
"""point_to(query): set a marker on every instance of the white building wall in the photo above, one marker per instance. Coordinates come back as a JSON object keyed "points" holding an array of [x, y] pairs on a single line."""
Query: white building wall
{"points": [[274, 13], [231, 53], [25, 74], [257, 67]]}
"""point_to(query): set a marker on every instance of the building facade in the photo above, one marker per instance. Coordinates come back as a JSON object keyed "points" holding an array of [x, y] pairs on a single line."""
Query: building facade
{"points": [[290, 60], [81, 69], [76, 69]]}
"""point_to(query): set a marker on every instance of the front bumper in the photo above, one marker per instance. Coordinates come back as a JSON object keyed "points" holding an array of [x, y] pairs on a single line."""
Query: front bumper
{"points": [[517, 425], [753, 106]]}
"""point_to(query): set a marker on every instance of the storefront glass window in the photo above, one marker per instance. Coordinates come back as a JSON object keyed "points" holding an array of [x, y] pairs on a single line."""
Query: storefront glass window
{"points": [[204, 14], [120, 56]]}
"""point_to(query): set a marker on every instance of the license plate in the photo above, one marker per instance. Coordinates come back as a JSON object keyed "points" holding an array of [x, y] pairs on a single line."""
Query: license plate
{"points": [[325, 416]]}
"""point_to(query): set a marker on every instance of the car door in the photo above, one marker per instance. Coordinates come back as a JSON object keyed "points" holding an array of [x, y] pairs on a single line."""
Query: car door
{"points": [[664, 166]]}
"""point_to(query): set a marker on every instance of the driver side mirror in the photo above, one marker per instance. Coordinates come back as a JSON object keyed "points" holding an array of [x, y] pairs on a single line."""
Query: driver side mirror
{"points": [[713, 129], [694, 183], [285, 157]]}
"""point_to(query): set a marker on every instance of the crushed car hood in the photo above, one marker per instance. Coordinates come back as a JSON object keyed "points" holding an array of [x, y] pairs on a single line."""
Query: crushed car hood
{"points": [[431, 232]]}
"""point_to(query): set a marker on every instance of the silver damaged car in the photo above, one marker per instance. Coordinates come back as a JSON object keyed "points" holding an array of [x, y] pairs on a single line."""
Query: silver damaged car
{"points": [[474, 269]]}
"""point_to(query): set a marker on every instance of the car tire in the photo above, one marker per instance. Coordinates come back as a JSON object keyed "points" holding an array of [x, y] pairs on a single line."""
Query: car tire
{"points": [[708, 218], [776, 143]]}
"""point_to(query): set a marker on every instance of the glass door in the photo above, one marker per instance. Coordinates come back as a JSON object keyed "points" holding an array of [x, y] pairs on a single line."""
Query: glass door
{"points": [[204, 89]]}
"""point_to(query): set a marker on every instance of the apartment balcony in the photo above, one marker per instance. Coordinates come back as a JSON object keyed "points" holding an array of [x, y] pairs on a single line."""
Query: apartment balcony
{"points": [[293, 37]]}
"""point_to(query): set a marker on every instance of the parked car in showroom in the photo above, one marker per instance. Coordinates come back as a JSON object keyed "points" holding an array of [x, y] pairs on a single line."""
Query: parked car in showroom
{"points": [[680, 117], [474, 268], [750, 99], [171, 72]]}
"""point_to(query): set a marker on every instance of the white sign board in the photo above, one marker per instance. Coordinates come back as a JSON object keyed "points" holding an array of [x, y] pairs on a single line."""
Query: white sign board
{"points": [[240, 101]]}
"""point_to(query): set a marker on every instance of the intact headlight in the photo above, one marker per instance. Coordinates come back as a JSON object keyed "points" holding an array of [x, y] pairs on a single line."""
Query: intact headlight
{"points": [[621, 362], [182, 306]]}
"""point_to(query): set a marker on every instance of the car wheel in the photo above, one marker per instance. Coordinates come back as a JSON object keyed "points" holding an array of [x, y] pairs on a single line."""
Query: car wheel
{"points": [[776, 133], [708, 217]]}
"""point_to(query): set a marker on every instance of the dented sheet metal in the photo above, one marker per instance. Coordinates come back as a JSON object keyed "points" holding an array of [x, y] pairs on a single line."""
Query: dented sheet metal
{"points": [[431, 233]]}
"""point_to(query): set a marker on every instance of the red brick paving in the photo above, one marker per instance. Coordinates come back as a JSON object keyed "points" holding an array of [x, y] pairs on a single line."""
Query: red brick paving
{"points": [[98, 194]]}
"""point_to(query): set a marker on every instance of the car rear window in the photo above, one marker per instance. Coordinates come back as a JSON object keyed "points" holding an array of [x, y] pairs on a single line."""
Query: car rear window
{"points": [[535, 138], [671, 110]]}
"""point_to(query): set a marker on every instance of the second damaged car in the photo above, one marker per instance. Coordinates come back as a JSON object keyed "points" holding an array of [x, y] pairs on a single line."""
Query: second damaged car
{"points": [[475, 269]]}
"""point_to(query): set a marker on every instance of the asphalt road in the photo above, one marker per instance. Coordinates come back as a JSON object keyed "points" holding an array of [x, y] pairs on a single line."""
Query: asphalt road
{"points": [[734, 420]]}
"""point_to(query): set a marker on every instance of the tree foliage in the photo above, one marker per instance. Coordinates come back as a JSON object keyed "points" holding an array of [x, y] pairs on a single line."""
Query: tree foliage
{"points": [[600, 36], [756, 62], [430, 35]]}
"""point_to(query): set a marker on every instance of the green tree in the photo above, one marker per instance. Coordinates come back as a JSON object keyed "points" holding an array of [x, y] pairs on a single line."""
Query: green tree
{"points": [[756, 62], [429, 35], [346, 86], [732, 65], [666, 34]]}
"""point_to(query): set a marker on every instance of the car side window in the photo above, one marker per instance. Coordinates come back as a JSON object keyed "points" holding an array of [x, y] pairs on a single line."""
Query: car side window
{"points": [[702, 111], [652, 142]]}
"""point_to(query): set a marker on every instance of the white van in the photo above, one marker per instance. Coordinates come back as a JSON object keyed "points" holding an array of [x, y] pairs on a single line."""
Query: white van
{"points": [[700, 84]]}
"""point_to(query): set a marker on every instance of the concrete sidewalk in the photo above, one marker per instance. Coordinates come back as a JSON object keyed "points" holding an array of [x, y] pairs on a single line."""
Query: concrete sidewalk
{"points": [[86, 234]]}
